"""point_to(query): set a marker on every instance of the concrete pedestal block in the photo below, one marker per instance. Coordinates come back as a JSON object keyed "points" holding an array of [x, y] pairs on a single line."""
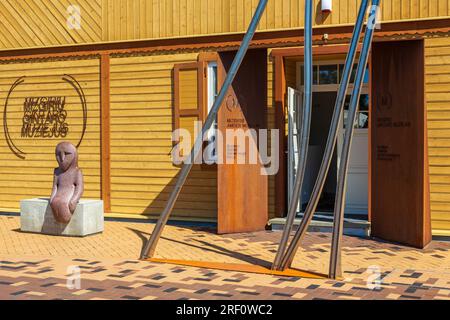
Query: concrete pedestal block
{"points": [[36, 216]]}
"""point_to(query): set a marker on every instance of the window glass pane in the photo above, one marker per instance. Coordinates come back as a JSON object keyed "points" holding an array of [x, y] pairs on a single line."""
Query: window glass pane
{"points": [[364, 102], [341, 71], [363, 120], [353, 74], [366, 76], [302, 75], [302, 78], [328, 74], [210, 155], [347, 102], [362, 116], [315, 74]]}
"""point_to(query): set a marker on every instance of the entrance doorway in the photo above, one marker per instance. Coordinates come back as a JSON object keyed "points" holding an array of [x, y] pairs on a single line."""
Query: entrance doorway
{"points": [[326, 78]]}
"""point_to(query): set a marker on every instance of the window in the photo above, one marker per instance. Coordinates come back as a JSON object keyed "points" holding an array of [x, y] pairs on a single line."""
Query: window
{"points": [[353, 74], [195, 90], [189, 83], [362, 114], [327, 76], [212, 84], [331, 73]]}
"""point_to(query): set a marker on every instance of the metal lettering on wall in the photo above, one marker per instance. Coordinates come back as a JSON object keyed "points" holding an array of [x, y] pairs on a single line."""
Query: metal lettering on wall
{"points": [[386, 121], [44, 116]]}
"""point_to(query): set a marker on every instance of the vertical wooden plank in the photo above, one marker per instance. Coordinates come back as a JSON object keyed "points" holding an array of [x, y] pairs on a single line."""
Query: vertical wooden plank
{"points": [[335, 16], [295, 23], [218, 27], [263, 21], [155, 20], [278, 14], [233, 15], [190, 17], [110, 19], [433, 8], [286, 13], [123, 20], [105, 18], [162, 18], [176, 17], [169, 18], [343, 11], [443, 7], [197, 14], [226, 15], [405, 9], [204, 16], [414, 8], [128, 20], [353, 9], [240, 15], [301, 17], [210, 17], [105, 131], [183, 22], [423, 6], [396, 10]]}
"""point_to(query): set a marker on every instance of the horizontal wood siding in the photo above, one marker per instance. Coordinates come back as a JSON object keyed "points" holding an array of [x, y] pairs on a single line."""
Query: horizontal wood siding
{"points": [[32, 177], [142, 173], [38, 23], [437, 69]]}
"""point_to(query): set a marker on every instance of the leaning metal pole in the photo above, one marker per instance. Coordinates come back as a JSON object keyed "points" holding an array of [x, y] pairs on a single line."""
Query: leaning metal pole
{"points": [[150, 246], [304, 137], [339, 204], [331, 141]]}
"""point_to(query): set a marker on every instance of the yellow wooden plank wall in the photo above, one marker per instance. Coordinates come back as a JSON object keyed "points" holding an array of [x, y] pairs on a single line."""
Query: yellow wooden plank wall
{"points": [[173, 18], [142, 173], [37, 23], [32, 177], [437, 70]]}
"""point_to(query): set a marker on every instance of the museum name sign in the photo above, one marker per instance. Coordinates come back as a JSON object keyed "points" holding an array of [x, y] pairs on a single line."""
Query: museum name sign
{"points": [[44, 117]]}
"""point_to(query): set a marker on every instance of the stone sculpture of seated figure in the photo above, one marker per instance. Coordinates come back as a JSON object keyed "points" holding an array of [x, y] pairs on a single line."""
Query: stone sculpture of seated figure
{"points": [[67, 183]]}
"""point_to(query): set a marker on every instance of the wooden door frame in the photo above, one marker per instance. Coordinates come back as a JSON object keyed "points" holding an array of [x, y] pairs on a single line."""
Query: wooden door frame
{"points": [[280, 91]]}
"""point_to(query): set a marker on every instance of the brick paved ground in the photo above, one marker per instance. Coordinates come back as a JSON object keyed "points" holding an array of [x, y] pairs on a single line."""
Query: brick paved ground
{"points": [[35, 266]]}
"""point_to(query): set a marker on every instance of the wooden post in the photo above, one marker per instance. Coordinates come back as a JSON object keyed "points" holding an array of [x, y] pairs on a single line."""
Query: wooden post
{"points": [[105, 131], [280, 124]]}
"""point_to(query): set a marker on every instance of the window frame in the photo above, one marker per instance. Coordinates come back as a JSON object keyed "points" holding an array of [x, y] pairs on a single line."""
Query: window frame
{"points": [[199, 111]]}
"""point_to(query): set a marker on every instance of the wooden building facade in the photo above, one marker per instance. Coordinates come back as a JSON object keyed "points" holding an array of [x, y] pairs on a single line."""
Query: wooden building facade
{"points": [[117, 76]]}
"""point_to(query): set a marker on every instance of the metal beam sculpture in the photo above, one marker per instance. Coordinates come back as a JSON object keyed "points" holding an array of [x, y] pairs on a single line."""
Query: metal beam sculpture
{"points": [[151, 244], [304, 136], [285, 257], [341, 188], [332, 136]]}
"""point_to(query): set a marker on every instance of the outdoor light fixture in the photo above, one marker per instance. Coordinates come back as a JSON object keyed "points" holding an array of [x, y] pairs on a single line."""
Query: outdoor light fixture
{"points": [[327, 6]]}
